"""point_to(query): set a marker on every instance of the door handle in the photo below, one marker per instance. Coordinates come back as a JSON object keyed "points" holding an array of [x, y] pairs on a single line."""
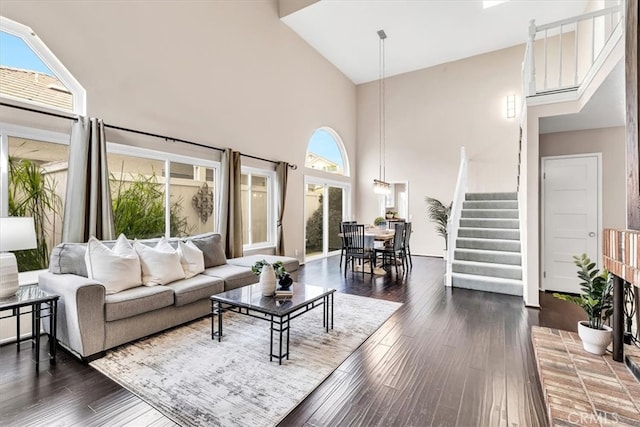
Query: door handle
{"points": [[592, 234]]}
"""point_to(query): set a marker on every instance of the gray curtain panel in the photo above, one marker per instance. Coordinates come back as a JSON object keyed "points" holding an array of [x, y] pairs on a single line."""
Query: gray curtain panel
{"points": [[282, 175], [87, 211], [230, 218]]}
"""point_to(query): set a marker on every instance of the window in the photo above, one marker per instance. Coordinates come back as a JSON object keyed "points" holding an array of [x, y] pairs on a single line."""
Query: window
{"points": [[326, 201], [139, 189], [258, 217], [33, 183], [31, 73], [325, 152]]}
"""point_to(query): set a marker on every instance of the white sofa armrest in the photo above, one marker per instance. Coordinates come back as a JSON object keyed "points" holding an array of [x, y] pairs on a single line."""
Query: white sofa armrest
{"points": [[81, 312]]}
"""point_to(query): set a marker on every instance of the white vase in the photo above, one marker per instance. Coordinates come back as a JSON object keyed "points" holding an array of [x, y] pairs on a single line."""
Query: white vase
{"points": [[594, 341], [268, 280]]}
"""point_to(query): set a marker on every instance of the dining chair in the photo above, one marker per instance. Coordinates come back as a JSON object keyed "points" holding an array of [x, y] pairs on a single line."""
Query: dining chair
{"points": [[344, 242], [396, 250], [355, 247], [407, 247]]}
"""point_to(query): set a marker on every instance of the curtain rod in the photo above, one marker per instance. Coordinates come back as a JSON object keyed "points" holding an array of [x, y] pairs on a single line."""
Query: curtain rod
{"points": [[291, 165], [167, 138], [139, 132]]}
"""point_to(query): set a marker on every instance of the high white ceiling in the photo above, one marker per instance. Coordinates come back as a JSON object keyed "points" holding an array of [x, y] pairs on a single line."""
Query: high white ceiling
{"points": [[420, 33]]}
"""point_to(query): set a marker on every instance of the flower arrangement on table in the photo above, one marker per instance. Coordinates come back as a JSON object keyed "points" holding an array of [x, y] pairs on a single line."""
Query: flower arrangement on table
{"points": [[284, 278]]}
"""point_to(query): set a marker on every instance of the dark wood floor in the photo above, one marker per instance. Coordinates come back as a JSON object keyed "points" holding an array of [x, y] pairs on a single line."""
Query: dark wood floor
{"points": [[446, 357]]}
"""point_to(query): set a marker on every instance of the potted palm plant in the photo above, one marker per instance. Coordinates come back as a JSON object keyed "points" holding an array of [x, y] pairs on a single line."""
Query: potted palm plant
{"points": [[596, 300], [439, 214]]}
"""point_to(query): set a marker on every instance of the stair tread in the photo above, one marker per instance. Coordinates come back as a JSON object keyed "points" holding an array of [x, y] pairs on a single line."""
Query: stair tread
{"points": [[487, 278], [484, 239], [487, 228], [487, 264], [487, 251]]}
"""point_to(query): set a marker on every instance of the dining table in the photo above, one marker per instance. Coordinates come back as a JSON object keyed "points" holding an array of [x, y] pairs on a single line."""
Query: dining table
{"points": [[375, 234]]}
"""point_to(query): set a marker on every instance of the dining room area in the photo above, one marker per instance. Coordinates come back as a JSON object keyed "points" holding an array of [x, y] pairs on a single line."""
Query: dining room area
{"points": [[379, 249]]}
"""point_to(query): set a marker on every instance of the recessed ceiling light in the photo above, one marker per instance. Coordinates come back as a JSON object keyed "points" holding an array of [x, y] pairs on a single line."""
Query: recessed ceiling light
{"points": [[490, 3]]}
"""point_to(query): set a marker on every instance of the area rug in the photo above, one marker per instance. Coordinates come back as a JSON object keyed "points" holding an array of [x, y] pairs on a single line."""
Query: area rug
{"points": [[194, 380]]}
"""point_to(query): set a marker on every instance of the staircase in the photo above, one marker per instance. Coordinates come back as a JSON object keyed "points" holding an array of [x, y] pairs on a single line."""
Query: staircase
{"points": [[487, 254]]}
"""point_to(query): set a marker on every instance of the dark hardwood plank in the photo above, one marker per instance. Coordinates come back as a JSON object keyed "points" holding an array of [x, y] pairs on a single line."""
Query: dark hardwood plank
{"points": [[446, 357]]}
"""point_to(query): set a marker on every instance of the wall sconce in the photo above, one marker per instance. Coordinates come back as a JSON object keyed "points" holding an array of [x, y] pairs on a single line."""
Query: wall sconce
{"points": [[511, 106]]}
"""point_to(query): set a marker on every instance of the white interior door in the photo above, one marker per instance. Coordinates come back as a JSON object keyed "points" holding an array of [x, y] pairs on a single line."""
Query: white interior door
{"points": [[571, 218]]}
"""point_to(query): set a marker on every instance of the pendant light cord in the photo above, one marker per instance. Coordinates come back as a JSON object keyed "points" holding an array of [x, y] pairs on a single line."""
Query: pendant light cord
{"points": [[382, 148]]}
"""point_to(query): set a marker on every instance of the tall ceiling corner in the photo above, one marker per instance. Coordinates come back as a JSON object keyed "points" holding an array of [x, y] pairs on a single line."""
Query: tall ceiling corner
{"points": [[287, 7]]}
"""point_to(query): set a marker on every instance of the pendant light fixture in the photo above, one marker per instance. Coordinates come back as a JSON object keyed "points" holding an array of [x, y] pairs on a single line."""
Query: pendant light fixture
{"points": [[380, 186]]}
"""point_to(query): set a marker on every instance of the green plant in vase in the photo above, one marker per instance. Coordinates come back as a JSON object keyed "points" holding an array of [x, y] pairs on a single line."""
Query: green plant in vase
{"points": [[596, 300]]}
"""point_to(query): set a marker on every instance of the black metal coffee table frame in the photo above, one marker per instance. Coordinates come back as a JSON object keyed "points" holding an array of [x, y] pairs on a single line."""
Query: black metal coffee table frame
{"points": [[279, 322]]}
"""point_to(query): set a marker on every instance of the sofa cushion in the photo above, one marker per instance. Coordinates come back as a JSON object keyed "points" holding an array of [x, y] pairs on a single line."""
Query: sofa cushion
{"points": [[234, 276], [191, 258], [212, 248], [68, 258], [290, 264], [117, 269], [137, 300], [196, 288], [160, 264]]}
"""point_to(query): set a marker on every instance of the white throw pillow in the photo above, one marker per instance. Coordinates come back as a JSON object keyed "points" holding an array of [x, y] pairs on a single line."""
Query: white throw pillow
{"points": [[160, 265], [118, 268], [191, 258]]}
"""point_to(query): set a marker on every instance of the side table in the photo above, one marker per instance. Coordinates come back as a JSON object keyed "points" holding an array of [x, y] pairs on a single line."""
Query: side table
{"points": [[42, 305]]}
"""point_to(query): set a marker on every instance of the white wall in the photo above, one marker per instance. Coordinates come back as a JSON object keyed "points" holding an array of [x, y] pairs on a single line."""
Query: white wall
{"points": [[430, 114], [220, 73]]}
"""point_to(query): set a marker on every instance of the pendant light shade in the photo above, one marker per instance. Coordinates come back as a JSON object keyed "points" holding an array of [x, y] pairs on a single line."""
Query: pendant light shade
{"points": [[380, 186]]}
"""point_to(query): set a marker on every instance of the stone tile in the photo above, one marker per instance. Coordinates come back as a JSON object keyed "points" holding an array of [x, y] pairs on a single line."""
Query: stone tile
{"points": [[582, 389]]}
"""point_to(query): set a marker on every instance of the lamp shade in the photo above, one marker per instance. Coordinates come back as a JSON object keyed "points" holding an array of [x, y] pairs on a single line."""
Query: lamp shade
{"points": [[17, 233]]}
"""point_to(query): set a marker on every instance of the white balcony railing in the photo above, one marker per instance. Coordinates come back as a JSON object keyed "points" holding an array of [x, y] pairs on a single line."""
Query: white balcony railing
{"points": [[561, 55]]}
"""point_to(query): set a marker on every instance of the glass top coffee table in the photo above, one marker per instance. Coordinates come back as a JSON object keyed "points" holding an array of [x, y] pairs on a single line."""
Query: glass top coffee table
{"points": [[278, 311]]}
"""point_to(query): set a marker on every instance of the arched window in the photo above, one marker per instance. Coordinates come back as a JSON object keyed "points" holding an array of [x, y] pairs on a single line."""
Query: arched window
{"points": [[326, 152], [31, 73], [327, 200]]}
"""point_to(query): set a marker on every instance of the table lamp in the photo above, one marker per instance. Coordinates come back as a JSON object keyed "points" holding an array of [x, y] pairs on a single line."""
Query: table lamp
{"points": [[16, 234]]}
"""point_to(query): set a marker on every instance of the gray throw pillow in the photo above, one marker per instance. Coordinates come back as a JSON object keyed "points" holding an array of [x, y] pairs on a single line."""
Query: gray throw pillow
{"points": [[211, 246], [68, 258]]}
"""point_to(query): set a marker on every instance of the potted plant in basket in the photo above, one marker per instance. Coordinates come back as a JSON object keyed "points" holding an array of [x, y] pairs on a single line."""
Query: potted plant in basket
{"points": [[268, 273], [597, 301]]}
